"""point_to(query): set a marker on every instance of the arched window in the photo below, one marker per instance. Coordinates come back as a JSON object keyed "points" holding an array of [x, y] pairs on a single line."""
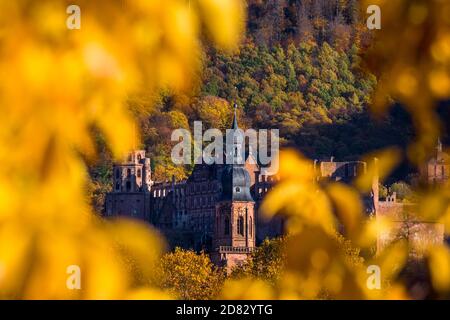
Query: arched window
{"points": [[117, 173], [227, 226], [240, 226], [139, 157], [117, 186], [139, 173], [128, 185], [128, 172], [250, 227]]}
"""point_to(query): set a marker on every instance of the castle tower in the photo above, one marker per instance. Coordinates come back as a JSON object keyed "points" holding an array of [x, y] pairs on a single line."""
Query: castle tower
{"points": [[133, 174], [234, 229], [131, 187], [436, 170]]}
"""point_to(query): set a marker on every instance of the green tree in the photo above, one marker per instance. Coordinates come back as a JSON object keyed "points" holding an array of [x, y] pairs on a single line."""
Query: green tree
{"points": [[403, 191]]}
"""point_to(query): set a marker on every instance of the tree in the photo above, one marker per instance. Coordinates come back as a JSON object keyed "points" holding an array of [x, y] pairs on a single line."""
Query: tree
{"points": [[403, 190], [188, 275], [266, 262], [305, 29], [214, 112]]}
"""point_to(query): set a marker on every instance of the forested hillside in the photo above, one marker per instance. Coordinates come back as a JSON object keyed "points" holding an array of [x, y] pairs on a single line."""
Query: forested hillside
{"points": [[298, 70]]}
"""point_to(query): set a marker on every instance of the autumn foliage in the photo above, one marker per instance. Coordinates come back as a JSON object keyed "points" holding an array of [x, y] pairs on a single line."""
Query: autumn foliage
{"points": [[67, 94], [59, 87]]}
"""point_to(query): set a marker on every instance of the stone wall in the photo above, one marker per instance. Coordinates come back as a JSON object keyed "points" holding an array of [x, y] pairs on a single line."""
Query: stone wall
{"points": [[406, 224], [135, 205]]}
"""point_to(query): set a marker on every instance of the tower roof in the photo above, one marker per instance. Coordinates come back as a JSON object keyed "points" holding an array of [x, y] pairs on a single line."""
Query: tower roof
{"points": [[236, 179], [439, 145], [235, 126], [234, 142], [236, 184]]}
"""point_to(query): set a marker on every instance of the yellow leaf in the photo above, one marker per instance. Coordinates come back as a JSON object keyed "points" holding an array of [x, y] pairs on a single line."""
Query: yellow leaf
{"points": [[348, 207], [439, 262]]}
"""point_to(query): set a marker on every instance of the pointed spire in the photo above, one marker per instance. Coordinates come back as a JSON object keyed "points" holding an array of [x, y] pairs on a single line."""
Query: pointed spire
{"points": [[235, 124], [439, 145]]}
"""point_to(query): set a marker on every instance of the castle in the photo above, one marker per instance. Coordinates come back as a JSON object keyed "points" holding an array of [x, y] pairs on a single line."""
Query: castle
{"points": [[406, 223], [217, 208]]}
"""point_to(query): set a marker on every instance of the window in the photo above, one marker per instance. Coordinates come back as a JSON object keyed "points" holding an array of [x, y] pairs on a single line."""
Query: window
{"points": [[139, 173], [250, 227], [240, 226], [227, 226], [117, 173], [139, 157], [118, 186], [128, 185], [238, 189], [128, 172]]}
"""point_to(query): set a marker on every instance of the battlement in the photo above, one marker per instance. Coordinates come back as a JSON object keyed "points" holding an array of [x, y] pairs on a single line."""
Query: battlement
{"points": [[230, 249]]}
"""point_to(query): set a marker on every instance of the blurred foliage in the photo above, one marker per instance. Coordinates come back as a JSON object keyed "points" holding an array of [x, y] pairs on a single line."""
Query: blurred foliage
{"points": [[299, 67], [321, 263], [268, 261], [417, 72], [60, 84], [315, 264]]}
